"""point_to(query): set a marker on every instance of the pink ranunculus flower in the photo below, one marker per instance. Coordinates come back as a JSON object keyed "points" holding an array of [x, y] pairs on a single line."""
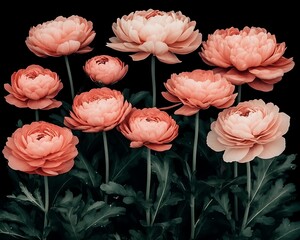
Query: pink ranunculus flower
{"points": [[162, 34], [251, 55], [99, 109], [250, 129], [149, 127], [61, 37], [105, 69], [198, 90], [34, 87], [41, 148]]}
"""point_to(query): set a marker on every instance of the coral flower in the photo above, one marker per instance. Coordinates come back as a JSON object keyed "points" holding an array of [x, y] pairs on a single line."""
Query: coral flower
{"points": [[160, 33], [61, 37], [251, 55], [198, 90], [34, 87], [250, 129], [149, 127], [99, 109], [105, 69], [41, 148]]}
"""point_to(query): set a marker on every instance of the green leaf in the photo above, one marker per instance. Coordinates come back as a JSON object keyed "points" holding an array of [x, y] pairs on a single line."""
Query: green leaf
{"points": [[80, 216], [139, 96], [27, 197], [287, 230], [130, 196], [100, 216], [16, 222], [271, 199], [84, 170], [223, 205], [120, 168], [266, 170]]}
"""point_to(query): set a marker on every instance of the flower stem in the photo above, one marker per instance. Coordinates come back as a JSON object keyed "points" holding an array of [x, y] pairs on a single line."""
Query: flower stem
{"points": [[106, 159], [37, 117], [235, 164], [246, 213], [46, 207], [153, 81], [148, 182], [70, 76], [195, 142], [194, 162]]}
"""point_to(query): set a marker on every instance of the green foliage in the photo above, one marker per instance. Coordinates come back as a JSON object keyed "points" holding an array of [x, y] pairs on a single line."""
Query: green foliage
{"points": [[16, 222], [79, 217]]}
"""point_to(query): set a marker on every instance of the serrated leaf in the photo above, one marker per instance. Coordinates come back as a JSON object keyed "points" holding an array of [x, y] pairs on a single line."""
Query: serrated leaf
{"points": [[27, 197], [287, 230], [116, 188], [85, 172], [130, 196], [271, 199], [15, 221], [162, 170], [268, 169], [100, 217], [247, 232]]}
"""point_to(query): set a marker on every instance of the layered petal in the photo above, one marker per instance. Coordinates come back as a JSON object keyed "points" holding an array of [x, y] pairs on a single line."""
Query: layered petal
{"points": [[250, 55], [61, 37], [154, 32], [34, 87], [149, 127], [250, 129], [197, 90], [105, 69], [41, 148], [99, 109]]}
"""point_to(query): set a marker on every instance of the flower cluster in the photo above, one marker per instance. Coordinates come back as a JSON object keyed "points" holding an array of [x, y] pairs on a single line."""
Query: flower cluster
{"points": [[95, 153]]}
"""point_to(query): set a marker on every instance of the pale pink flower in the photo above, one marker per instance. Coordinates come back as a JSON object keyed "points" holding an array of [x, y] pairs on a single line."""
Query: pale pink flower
{"points": [[250, 129], [198, 90], [34, 87], [149, 127], [41, 148], [251, 55], [61, 37], [105, 69], [100, 109], [162, 34]]}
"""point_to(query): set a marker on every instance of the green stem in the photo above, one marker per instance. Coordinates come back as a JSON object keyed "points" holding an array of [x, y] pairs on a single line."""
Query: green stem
{"points": [[194, 167], [70, 76], [246, 213], [46, 207], [235, 164], [37, 115], [106, 159], [153, 81], [196, 134], [148, 182]]}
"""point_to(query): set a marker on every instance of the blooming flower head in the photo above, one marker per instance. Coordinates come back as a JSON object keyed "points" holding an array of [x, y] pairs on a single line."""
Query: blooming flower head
{"points": [[251, 55], [61, 37], [105, 69], [199, 90], [250, 129], [160, 33], [149, 127], [34, 87], [100, 109], [41, 148]]}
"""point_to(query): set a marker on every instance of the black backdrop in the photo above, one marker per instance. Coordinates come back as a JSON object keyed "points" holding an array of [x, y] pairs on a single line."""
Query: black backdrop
{"points": [[16, 19]]}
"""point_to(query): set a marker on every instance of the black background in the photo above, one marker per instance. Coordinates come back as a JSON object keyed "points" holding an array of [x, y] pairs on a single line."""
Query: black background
{"points": [[17, 18]]}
